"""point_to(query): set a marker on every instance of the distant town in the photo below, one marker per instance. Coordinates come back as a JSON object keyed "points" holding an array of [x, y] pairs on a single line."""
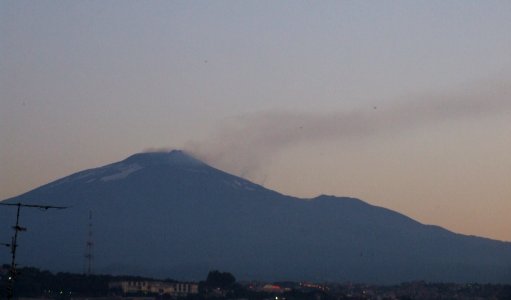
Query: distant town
{"points": [[33, 283]]}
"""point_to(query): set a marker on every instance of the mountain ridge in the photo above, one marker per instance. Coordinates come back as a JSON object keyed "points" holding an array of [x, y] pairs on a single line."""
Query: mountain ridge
{"points": [[171, 215]]}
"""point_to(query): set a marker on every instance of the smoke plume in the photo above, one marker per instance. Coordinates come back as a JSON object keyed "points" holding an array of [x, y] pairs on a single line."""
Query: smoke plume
{"points": [[248, 142]]}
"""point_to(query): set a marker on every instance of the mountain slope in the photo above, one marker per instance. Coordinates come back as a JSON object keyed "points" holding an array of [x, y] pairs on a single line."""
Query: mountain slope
{"points": [[170, 215]]}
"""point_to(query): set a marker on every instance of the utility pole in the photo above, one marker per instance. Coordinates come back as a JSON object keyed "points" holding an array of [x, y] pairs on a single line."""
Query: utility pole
{"points": [[89, 247], [14, 242]]}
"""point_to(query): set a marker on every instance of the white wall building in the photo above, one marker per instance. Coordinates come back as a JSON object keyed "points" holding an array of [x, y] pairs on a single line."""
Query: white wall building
{"points": [[155, 287]]}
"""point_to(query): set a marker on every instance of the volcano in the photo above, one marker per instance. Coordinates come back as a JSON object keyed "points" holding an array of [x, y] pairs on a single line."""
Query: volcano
{"points": [[170, 215]]}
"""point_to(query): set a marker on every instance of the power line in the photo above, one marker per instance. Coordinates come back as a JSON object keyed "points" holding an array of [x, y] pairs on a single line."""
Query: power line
{"points": [[14, 242]]}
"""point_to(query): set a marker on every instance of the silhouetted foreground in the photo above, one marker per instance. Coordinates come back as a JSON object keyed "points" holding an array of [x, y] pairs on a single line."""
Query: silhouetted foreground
{"points": [[34, 283]]}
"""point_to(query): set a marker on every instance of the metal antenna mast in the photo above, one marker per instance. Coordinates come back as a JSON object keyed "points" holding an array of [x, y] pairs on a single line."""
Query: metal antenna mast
{"points": [[89, 247], [14, 243]]}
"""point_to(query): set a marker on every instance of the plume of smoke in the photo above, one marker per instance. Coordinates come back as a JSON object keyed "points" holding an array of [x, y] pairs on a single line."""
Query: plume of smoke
{"points": [[157, 149], [248, 142]]}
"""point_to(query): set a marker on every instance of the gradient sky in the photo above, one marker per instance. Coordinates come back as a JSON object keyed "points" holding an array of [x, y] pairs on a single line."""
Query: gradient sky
{"points": [[404, 104]]}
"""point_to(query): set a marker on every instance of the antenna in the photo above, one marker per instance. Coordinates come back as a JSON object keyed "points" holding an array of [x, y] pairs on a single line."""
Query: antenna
{"points": [[14, 243], [89, 248]]}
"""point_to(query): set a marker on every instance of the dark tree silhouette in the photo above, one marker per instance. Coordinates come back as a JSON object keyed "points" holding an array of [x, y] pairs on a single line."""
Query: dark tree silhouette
{"points": [[217, 279]]}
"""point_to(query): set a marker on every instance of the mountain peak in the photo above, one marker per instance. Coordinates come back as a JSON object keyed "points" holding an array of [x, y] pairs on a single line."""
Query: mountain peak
{"points": [[205, 217], [174, 157]]}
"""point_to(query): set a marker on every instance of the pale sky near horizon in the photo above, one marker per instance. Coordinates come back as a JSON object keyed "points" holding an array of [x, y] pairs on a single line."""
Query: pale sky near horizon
{"points": [[403, 104]]}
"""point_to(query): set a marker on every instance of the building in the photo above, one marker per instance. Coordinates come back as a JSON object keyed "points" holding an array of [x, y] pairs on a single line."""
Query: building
{"points": [[145, 287]]}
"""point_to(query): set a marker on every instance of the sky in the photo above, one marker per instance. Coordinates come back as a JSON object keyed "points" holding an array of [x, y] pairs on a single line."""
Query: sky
{"points": [[404, 104]]}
